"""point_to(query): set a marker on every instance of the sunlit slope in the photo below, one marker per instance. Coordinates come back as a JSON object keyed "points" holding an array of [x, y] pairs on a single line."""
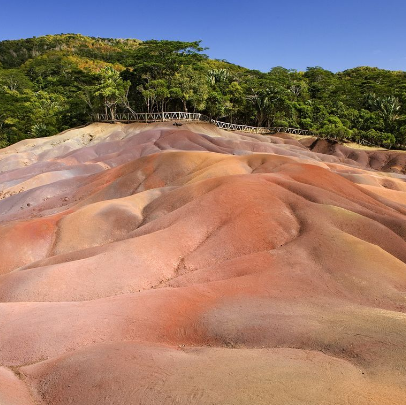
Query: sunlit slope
{"points": [[146, 264]]}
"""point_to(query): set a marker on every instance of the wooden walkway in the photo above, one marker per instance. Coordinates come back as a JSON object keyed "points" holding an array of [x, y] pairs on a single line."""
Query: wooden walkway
{"points": [[197, 117]]}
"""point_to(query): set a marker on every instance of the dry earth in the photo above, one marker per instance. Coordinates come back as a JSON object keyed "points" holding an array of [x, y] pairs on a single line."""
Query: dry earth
{"points": [[150, 264], [367, 157]]}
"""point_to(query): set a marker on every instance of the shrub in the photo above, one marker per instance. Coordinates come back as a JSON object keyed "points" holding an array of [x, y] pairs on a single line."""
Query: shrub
{"points": [[373, 137], [281, 123], [306, 123], [339, 133]]}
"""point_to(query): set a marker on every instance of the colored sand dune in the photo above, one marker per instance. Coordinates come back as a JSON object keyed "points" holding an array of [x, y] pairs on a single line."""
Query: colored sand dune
{"points": [[153, 264]]}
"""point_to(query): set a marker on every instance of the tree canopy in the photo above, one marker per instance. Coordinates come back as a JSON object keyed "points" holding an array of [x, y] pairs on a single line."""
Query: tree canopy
{"points": [[51, 83]]}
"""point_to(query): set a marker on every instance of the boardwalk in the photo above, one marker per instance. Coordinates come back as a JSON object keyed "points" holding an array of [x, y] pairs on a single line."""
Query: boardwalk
{"points": [[197, 117]]}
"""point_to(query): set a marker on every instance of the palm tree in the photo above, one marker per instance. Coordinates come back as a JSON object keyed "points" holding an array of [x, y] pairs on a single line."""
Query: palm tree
{"points": [[388, 108]]}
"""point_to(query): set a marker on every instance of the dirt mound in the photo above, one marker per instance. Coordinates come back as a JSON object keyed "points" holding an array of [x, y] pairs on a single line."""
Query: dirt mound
{"points": [[382, 160], [157, 264]]}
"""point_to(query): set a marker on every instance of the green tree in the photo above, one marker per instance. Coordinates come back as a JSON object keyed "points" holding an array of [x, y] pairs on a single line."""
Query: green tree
{"points": [[113, 90], [388, 107], [189, 86]]}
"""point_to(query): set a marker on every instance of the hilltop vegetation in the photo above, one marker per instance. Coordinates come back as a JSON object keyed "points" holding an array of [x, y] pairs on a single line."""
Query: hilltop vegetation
{"points": [[15, 53], [52, 83]]}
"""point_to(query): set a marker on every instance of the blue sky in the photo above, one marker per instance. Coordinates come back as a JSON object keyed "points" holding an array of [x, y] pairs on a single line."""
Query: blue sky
{"points": [[257, 34]]}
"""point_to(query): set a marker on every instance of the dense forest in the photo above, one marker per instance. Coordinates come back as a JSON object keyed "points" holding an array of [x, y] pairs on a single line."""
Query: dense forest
{"points": [[52, 83]]}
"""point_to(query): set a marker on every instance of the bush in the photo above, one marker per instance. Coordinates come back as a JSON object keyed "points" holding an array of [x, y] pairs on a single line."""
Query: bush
{"points": [[332, 120], [3, 140], [41, 130], [306, 123], [339, 133], [281, 123], [401, 136], [373, 137]]}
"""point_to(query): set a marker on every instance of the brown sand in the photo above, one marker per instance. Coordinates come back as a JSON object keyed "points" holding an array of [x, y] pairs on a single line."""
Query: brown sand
{"points": [[370, 158]]}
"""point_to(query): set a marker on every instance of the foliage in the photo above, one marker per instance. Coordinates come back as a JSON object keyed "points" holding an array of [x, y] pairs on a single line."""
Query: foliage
{"points": [[55, 82], [112, 90], [373, 137]]}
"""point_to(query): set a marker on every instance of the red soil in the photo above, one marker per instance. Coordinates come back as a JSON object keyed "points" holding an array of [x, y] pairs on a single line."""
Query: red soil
{"points": [[142, 264]]}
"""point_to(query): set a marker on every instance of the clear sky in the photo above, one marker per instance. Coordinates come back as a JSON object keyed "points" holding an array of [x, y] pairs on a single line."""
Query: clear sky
{"points": [[258, 34]]}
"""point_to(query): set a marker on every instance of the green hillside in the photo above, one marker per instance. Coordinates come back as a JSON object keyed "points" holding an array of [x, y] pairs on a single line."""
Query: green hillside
{"points": [[15, 53], [51, 83]]}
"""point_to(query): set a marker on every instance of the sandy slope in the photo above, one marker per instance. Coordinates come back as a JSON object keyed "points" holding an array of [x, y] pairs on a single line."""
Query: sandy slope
{"points": [[366, 157], [148, 264]]}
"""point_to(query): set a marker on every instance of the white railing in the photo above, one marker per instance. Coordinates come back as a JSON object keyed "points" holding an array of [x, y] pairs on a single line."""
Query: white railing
{"points": [[196, 117]]}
